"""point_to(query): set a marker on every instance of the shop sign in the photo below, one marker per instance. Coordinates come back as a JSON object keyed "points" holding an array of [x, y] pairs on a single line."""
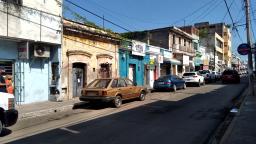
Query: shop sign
{"points": [[23, 50], [153, 49], [185, 60], [152, 62], [138, 48], [197, 61], [160, 59], [167, 54]]}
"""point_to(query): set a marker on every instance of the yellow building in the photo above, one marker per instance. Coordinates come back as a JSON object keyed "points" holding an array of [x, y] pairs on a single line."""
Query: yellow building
{"points": [[87, 53], [227, 46]]}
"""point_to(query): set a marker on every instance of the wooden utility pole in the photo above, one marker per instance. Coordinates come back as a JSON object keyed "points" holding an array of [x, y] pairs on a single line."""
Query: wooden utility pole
{"points": [[248, 32]]}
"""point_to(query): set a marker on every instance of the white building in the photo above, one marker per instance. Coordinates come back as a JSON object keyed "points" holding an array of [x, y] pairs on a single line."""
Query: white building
{"points": [[30, 40]]}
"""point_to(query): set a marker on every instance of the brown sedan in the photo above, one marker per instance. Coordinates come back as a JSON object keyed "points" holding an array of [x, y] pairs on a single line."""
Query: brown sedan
{"points": [[114, 90]]}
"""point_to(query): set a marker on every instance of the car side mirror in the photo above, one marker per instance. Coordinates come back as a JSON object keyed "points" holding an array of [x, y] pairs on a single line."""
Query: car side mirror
{"points": [[135, 83]]}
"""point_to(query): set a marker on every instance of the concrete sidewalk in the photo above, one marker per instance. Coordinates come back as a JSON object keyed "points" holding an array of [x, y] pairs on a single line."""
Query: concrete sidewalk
{"points": [[33, 110], [242, 129]]}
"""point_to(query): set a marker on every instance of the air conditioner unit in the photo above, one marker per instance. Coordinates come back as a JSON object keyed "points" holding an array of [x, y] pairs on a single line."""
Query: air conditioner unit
{"points": [[41, 51]]}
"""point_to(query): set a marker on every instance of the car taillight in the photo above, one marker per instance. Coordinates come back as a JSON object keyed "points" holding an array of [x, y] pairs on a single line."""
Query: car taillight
{"points": [[167, 82], [194, 76], [11, 104], [104, 93]]}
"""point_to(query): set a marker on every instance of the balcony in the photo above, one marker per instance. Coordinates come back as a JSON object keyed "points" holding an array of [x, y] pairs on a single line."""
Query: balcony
{"points": [[183, 50]]}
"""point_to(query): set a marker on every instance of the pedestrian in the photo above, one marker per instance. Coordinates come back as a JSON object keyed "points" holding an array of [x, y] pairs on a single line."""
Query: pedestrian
{"points": [[2, 81], [9, 86]]}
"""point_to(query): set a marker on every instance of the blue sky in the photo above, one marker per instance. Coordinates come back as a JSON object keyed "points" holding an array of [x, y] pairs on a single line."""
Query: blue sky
{"points": [[148, 14]]}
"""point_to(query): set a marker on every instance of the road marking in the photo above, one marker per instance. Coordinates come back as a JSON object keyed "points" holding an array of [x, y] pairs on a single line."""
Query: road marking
{"points": [[69, 130]]}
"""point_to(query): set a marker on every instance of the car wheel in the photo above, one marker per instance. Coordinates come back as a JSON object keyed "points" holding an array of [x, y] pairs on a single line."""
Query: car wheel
{"points": [[142, 96], [199, 83], [184, 86], [117, 101], [174, 88], [1, 127], [204, 83]]}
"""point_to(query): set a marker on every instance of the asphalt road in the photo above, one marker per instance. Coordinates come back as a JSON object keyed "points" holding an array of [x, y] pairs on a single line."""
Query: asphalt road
{"points": [[186, 117]]}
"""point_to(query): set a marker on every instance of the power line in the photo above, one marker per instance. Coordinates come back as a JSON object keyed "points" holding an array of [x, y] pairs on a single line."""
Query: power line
{"points": [[98, 16], [227, 11], [234, 27]]}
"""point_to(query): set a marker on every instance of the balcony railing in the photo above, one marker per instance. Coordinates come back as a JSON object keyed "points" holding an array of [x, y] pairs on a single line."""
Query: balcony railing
{"points": [[183, 50]]}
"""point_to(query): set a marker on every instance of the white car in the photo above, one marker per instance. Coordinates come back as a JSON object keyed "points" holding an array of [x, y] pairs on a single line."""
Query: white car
{"points": [[193, 78], [208, 76], [217, 75]]}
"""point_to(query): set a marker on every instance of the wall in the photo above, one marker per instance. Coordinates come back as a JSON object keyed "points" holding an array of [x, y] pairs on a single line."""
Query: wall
{"points": [[124, 62], [93, 47], [27, 23], [8, 50]]}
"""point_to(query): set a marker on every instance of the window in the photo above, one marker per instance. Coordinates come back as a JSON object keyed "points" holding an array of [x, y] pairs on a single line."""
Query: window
{"points": [[18, 2], [129, 82], [173, 39], [185, 42], [114, 83], [99, 83], [179, 40], [121, 83]]}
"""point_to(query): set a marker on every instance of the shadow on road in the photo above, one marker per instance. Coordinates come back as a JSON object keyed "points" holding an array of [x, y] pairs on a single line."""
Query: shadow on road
{"points": [[190, 120]]}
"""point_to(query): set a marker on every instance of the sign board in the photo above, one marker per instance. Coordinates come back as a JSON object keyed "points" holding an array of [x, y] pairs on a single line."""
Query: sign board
{"points": [[167, 54], [23, 50], [154, 50], [138, 48], [185, 60], [160, 59], [243, 49]]}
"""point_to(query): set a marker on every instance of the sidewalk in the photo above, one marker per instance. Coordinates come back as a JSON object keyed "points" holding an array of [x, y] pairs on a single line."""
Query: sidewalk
{"points": [[242, 129]]}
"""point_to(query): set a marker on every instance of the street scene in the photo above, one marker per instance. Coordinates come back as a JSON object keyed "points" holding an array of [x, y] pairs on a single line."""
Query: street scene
{"points": [[91, 72]]}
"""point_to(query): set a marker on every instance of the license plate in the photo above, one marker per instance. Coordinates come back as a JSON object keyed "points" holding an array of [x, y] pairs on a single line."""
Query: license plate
{"points": [[92, 93]]}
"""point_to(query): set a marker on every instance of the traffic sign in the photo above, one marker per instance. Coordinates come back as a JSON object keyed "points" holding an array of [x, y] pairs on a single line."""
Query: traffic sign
{"points": [[243, 49]]}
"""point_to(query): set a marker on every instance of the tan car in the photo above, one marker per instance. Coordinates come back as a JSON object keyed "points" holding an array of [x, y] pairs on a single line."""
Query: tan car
{"points": [[112, 90]]}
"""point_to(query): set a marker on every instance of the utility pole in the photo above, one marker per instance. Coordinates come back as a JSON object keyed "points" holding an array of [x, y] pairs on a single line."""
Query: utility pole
{"points": [[103, 22], [248, 32]]}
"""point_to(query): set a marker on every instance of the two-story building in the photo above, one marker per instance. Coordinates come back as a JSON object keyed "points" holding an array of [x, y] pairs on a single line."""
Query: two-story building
{"points": [[30, 41], [88, 53], [175, 40]]}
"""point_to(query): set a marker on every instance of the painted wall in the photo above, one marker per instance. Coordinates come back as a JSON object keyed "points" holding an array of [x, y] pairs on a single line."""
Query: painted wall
{"points": [[93, 47], [125, 59], [26, 23]]}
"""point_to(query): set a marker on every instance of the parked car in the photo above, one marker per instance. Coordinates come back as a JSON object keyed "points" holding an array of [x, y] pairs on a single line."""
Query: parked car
{"points": [[169, 82], [8, 113], [208, 76], [217, 75], [230, 76], [113, 90], [193, 78]]}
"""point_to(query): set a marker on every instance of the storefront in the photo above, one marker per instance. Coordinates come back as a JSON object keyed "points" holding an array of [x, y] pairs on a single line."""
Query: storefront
{"points": [[33, 69], [152, 70], [132, 61], [170, 64]]}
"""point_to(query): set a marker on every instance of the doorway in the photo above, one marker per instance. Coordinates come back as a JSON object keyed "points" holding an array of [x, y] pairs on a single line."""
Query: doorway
{"points": [[105, 70], [79, 71], [132, 72]]}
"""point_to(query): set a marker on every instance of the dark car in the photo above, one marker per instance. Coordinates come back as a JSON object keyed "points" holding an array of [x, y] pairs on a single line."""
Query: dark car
{"points": [[169, 82], [230, 76]]}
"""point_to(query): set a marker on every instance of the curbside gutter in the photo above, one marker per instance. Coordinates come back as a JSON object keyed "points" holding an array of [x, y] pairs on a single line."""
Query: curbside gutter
{"points": [[219, 136]]}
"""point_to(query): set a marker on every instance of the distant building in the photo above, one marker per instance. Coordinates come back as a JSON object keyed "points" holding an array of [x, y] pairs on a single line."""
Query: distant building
{"points": [[175, 40], [216, 37]]}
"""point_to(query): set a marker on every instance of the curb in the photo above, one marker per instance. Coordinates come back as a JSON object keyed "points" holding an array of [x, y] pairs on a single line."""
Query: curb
{"points": [[241, 98]]}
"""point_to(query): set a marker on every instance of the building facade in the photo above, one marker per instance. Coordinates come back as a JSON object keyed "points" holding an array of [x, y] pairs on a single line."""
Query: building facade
{"points": [[30, 42], [217, 40], [172, 39], [87, 53]]}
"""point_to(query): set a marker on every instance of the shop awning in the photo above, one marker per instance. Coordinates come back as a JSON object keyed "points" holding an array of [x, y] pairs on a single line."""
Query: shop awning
{"points": [[172, 61]]}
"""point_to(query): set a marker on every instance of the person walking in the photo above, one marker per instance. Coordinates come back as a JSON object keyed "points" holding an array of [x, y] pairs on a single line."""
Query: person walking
{"points": [[2, 81]]}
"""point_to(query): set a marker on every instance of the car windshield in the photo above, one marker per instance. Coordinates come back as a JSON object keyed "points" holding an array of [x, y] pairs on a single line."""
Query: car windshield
{"points": [[229, 72], [204, 72], [189, 74], [99, 83], [165, 77]]}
